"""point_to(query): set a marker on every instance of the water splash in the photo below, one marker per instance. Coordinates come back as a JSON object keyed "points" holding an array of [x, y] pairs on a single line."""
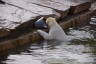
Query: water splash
{"points": [[57, 52], [81, 33]]}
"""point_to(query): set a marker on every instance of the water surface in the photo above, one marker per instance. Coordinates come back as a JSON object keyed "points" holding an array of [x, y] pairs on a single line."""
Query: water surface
{"points": [[78, 51]]}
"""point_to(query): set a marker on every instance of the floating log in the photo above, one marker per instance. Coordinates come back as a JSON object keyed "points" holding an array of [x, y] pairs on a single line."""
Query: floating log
{"points": [[93, 8], [4, 32], [77, 20], [92, 1], [1, 2]]}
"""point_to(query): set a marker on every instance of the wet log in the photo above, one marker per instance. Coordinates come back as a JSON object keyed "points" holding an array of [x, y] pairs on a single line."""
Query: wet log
{"points": [[80, 8], [1, 2], [77, 20], [4, 32], [92, 1], [93, 8]]}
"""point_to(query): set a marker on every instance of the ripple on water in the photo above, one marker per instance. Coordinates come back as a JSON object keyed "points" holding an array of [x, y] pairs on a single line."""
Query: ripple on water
{"points": [[56, 52]]}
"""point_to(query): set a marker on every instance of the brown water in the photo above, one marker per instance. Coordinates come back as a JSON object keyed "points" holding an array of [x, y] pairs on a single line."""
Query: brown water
{"points": [[77, 51]]}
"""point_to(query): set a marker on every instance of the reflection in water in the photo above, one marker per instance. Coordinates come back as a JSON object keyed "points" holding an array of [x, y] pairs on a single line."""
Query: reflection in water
{"points": [[77, 51]]}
